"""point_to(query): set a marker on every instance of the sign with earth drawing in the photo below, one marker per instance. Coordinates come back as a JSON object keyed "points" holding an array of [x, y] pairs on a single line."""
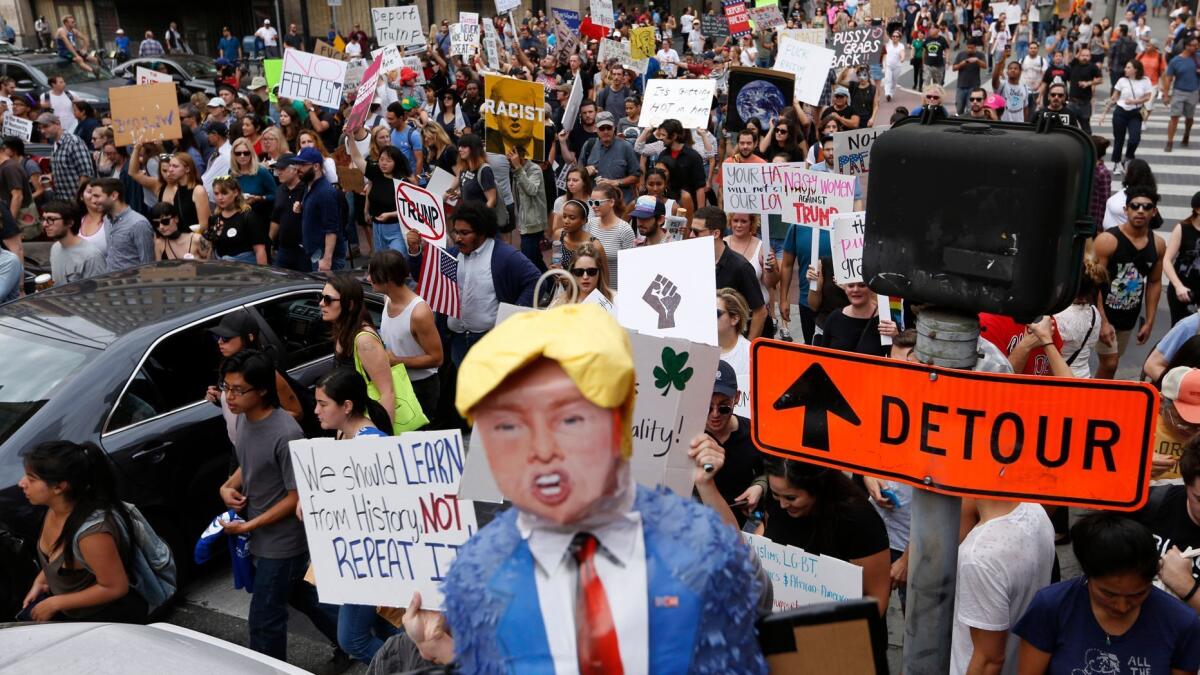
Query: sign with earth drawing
{"points": [[757, 94]]}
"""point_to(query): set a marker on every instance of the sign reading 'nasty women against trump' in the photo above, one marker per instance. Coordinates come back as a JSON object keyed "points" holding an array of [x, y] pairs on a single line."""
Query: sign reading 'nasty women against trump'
{"points": [[381, 514], [819, 196], [308, 77]]}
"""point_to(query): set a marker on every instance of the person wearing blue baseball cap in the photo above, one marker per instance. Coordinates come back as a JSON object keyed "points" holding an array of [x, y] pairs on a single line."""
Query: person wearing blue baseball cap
{"points": [[320, 216], [648, 215]]}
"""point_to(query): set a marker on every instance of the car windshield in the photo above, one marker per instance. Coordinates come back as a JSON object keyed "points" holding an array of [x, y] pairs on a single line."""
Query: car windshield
{"points": [[72, 72], [38, 367], [202, 70]]}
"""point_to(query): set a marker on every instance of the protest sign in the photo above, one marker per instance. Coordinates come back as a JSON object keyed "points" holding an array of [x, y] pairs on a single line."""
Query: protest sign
{"points": [[714, 26], [1012, 13], [464, 39], [491, 50], [439, 181], [848, 247], [688, 101], [800, 578], [602, 14], [759, 188], [813, 36], [468, 18], [145, 75], [421, 211], [322, 48], [669, 290], [852, 149], [574, 100], [503, 6], [143, 113], [614, 49], [809, 64], [857, 46], [365, 95], [400, 26], [737, 17], [308, 77], [641, 43], [414, 62], [757, 94], [597, 298], [767, 16], [355, 69], [17, 126], [820, 196], [674, 384], [565, 25], [381, 514], [272, 69], [513, 113]]}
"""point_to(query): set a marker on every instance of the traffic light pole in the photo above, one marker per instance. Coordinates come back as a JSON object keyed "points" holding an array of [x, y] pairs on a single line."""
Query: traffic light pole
{"points": [[947, 339]]}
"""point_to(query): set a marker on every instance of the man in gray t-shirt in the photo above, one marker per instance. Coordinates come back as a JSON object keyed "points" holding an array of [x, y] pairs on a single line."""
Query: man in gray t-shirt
{"points": [[266, 463], [71, 257]]}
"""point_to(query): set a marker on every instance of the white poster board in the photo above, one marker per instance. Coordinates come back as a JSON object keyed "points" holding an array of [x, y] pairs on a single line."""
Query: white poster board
{"points": [[819, 196], [760, 187], [571, 109], [689, 101], [17, 126], [670, 290], [393, 60], [381, 516], [145, 75], [602, 14], [848, 247], [468, 18], [503, 6], [308, 77], [800, 578], [852, 149], [464, 39], [400, 26], [809, 63]]}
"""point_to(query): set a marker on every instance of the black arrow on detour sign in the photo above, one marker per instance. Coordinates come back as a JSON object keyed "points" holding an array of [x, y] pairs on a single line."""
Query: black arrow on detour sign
{"points": [[819, 396]]}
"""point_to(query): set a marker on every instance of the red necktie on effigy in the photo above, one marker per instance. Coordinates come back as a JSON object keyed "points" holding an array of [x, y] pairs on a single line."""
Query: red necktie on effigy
{"points": [[595, 632]]}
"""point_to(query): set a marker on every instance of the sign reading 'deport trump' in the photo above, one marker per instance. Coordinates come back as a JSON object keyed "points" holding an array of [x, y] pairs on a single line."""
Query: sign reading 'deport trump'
{"points": [[400, 26], [1072, 442], [381, 514], [421, 211], [852, 149], [688, 101], [308, 77], [144, 113]]}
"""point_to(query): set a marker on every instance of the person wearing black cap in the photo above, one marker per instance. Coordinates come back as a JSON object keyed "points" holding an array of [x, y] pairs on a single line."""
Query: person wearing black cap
{"points": [[286, 233], [741, 480]]}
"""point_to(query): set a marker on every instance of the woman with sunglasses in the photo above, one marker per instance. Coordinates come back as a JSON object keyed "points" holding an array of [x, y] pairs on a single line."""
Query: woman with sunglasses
{"points": [[234, 230], [823, 512], [781, 137], [590, 272], [745, 240], [448, 114], [179, 185], [934, 97], [894, 55], [257, 184], [356, 343], [614, 233], [170, 240]]}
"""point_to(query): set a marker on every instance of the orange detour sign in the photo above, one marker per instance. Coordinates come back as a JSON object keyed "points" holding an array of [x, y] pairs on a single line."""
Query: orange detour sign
{"points": [[1073, 442]]}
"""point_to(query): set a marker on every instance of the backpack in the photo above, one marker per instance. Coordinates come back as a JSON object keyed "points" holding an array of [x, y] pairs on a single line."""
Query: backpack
{"points": [[148, 561]]}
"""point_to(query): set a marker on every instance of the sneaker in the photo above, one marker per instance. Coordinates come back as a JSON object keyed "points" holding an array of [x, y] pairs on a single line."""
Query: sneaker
{"points": [[785, 334], [1118, 168], [1167, 147]]}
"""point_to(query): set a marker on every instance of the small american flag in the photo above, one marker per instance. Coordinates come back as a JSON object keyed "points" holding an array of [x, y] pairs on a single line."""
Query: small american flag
{"points": [[438, 284]]}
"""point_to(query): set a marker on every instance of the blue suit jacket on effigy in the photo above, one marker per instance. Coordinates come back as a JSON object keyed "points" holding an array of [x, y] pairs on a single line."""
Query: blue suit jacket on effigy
{"points": [[702, 595]]}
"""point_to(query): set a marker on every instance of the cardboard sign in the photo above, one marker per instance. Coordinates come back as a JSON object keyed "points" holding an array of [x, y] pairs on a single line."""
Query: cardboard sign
{"points": [[670, 290], [322, 48], [857, 46], [812, 36], [689, 101], [17, 126], [737, 17], [602, 14], [421, 211], [143, 113], [381, 514], [820, 196], [800, 578], [809, 64], [674, 379], [392, 59], [714, 26], [760, 94], [759, 188], [468, 18], [145, 76], [641, 43], [767, 16], [504, 6], [614, 49], [852, 149], [478, 484], [571, 109], [827, 637], [400, 26], [565, 25], [365, 95], [272, 69], [514, 116], [1072, 442], [464, 39], [848, 247], [308, 77]]}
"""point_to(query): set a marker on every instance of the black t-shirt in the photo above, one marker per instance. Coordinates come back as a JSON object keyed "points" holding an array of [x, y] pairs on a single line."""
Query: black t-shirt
{"points": [[1059, 74], [847, 112], [1082, 72], [474, 184], [851, 334], [1065, 117], [743, 463], [857, 530], [13, 177], [1165, 513], [968, 75], [577, 137], [381, 198], [289, 234], [734, 271], [447, 159], [686, 169], [236, 234], [330, 136], [8, 224], [935, 51]]}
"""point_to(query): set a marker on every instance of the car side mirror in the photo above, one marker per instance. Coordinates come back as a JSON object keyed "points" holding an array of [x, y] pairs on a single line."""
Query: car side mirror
{"points": [[25, 84]]}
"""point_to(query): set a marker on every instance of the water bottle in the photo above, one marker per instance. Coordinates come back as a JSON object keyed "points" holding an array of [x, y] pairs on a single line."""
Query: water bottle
{"points": [[556, 252], [753, 522]]}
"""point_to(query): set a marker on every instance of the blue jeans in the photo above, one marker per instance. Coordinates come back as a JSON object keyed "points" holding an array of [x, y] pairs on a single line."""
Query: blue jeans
{"points": [[1126, 121], [244, 256], [11, 275], [336, 265], [531, 246], [388, 235], [292, 258], [279, 582], [460, 344], [361, 631], [961, 98]]}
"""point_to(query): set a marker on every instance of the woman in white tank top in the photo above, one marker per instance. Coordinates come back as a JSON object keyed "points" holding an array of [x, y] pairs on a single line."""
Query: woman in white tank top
{"points": [[407, 327]]}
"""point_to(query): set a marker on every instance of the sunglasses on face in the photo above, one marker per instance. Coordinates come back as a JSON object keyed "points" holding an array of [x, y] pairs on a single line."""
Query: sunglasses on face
{"points": [[781, 131], [163, 221], [242, 153], [931, 97], [585, 271], [328, 299], [594, 203], [721, 409], [976, 99], [1141, 206], [720, 313]]}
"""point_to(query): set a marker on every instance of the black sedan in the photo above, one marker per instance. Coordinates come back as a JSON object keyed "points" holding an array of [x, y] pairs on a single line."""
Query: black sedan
{"points": [[192, 73], [124, 360]]}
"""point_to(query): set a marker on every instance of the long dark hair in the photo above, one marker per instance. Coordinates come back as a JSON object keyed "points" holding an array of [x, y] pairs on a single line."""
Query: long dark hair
{"points": [[353, 313], [92, 485], [832, 491], [345, 384]]}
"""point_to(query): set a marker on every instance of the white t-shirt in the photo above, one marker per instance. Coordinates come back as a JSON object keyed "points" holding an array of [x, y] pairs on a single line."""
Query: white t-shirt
{"points": [[1074, 324], [669, 60], [353, 50], [738, 358], [1114, 210], [749, 55], [1001, 565], [1129, 90], [894, 53], [61, 104], [685, 23], [1016, 97], [1032, 68], [268, 35]]}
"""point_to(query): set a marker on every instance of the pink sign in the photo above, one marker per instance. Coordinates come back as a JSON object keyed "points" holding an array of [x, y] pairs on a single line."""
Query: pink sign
{"points": [[365, 95]]}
